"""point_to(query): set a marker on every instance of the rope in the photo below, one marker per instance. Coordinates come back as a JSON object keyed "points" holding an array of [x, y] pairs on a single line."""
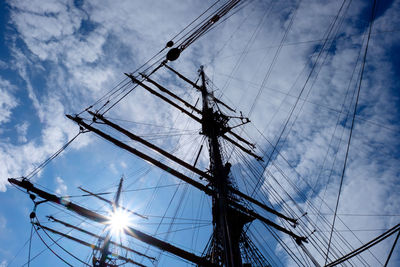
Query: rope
{"points": [[48, 160], [58, 256], [55, 242], [352, 126], [302, 89], [276, 55], [391, 251], [30, 246], [366, 246], [120, 91]]}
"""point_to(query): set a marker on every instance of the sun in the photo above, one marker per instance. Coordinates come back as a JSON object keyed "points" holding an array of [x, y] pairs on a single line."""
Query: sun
{"points": [[119, 221]]}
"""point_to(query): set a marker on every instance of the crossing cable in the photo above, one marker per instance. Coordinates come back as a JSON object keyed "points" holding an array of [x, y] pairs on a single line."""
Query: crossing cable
{"points": [[313, 83], [391, 251], [47, 161], [304, 86], [281, 243], [196, 32], [272, 65], [126, 80], [302, 212], [246, 51], [170, 202], [318, 216], [249, 43], [366, 246], [337, 123], [349, 36], [274, 194], [259, 244], [310, 204], [290, 211], [352, 123], [315, 226], [39, 253], [178, 207], [172, 222], [228, 40], [306, 229], [48, 247], [328, 108], [19, 251], [239, 7], [30, 245], [55, 242]]}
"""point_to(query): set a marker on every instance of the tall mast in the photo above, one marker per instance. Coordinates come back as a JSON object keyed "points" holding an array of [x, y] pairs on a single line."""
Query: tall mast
{"points": [[227, 231], [229, 244]]}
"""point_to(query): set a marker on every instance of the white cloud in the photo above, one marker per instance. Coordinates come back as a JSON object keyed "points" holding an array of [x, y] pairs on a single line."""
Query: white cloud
{"points": [[123, 165], [41, 24], [61, 188], [22, 130], [3, 65], [7, 100]]}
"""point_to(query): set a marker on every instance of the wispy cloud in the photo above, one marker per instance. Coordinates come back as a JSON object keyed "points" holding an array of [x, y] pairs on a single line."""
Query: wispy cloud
{"points": [[7, 100]]}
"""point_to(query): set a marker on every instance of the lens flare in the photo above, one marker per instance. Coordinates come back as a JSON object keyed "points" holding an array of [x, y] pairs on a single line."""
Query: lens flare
{"points": [[119, 221]]}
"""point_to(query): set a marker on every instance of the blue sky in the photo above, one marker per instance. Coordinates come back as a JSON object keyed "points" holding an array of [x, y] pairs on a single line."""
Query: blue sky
{"points": [[58, 57]]}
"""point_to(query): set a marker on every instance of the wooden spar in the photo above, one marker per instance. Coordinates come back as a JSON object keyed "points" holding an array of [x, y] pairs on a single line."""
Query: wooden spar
{"points": [[186, 165], [99, 237], [197, 87], [183, 78], [147, 158], [148, 239], [238, 137], [111, 203], [163, 97], [86, 243], [197, 110], [150, 145], [298, 238], [131, 231], [242, 148], [194, 117], [165, 90], [261, 205], [162, 166]]}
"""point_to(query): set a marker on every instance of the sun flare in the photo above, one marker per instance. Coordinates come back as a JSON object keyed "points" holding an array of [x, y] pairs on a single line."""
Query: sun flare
{"points": [[119, 220]]}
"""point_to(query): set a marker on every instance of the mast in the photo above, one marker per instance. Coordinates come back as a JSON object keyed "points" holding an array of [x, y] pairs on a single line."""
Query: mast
{"points": [[99, 218], [227, 230], [105, 249]]}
